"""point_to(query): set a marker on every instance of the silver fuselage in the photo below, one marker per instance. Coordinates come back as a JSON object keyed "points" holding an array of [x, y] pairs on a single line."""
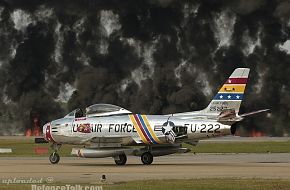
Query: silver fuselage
{"points": [[131, 129]]}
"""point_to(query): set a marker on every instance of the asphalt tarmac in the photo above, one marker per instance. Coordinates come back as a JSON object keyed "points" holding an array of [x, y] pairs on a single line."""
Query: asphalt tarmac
{"points": [[185, 166]]}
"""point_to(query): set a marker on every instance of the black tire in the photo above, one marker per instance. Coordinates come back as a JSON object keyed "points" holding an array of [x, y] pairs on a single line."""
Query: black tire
{"points": [[54, 158], [122, 160], [147, 158]]}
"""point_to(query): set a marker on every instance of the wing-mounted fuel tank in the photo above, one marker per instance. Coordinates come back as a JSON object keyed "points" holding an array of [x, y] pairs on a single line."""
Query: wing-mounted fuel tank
{"points": [[100, 153], [113, 152]]}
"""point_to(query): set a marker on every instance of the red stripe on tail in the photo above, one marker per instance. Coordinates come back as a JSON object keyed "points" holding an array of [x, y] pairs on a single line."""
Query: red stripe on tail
{"points": [[237, 81]]}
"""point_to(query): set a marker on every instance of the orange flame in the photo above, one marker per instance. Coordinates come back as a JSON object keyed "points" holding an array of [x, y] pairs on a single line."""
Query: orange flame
{"points": [[35, 129], [255, 133]]}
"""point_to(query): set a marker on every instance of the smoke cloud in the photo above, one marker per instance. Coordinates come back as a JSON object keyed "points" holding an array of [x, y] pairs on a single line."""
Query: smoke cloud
{"points": [[155, 57]]}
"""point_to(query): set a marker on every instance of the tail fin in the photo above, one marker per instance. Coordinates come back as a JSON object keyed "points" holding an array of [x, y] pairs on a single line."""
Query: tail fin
{"points": [[230, 95]]}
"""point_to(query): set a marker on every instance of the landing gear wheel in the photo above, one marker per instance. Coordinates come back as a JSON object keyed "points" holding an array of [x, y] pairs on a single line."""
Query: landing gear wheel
{"points": [[54, 158], [147, 158], [122, 160]]}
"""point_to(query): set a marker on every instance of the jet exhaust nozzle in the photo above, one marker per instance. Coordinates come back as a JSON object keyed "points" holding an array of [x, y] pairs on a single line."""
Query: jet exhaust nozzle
{"points": [[233, 129]]}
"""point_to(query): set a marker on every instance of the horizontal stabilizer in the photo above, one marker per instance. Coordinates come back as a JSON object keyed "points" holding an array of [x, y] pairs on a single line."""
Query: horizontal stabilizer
{"points": [[229, 116], [254, 112]]}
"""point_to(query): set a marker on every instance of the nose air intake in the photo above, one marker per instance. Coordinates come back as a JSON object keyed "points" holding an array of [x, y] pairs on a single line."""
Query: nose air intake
{"points": [[47, 132]]}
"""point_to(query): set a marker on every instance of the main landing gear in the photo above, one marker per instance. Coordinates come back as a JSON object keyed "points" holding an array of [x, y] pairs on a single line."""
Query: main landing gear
{"points": [[54, 157], [147, 158], [121, 159]]}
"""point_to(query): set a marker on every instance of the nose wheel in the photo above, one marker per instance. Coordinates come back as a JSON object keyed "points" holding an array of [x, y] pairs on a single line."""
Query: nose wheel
{"points": [[54, 158], [147, 158]]}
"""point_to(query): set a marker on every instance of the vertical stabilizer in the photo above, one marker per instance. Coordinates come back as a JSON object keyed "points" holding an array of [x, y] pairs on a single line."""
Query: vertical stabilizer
{"points": [[231, 94]]}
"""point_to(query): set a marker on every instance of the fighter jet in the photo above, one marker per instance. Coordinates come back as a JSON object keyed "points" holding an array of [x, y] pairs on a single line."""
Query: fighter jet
{"points": [[107, 130]]}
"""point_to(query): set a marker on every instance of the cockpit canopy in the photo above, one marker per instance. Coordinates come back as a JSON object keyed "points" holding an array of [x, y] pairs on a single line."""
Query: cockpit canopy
{"points": [[105, 110], [98, 110]]}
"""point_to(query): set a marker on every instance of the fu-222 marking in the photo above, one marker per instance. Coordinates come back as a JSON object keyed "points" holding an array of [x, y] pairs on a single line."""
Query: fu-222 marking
{"points": [[204, 128]]}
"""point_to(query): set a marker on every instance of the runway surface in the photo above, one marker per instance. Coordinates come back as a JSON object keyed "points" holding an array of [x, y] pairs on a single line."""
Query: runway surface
{"points": [[186, 166]]}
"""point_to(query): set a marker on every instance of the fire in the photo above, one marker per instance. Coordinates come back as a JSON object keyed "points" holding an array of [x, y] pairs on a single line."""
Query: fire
{"points": [[35, 128], [28, 132], [255, 133]]}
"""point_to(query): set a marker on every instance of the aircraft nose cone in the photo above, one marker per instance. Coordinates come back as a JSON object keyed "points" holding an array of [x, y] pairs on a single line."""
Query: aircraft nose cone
{"points": [[47, 132]]}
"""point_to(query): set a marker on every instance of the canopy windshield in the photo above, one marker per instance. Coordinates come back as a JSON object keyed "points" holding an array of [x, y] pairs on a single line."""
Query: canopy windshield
{"points": [[75, 113], [102, 108]]}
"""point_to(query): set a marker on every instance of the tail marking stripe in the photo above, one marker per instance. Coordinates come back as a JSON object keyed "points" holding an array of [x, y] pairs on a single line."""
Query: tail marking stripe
{"points": [[233, 88], [237, 81], [229, 96]]}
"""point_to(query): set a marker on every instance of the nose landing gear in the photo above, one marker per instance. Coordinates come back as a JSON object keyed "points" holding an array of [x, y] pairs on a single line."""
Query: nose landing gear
{"points": [[54, 157]]}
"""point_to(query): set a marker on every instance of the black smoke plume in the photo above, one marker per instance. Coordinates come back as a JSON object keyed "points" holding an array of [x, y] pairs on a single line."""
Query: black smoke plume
{"points": [[155, 57]]}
